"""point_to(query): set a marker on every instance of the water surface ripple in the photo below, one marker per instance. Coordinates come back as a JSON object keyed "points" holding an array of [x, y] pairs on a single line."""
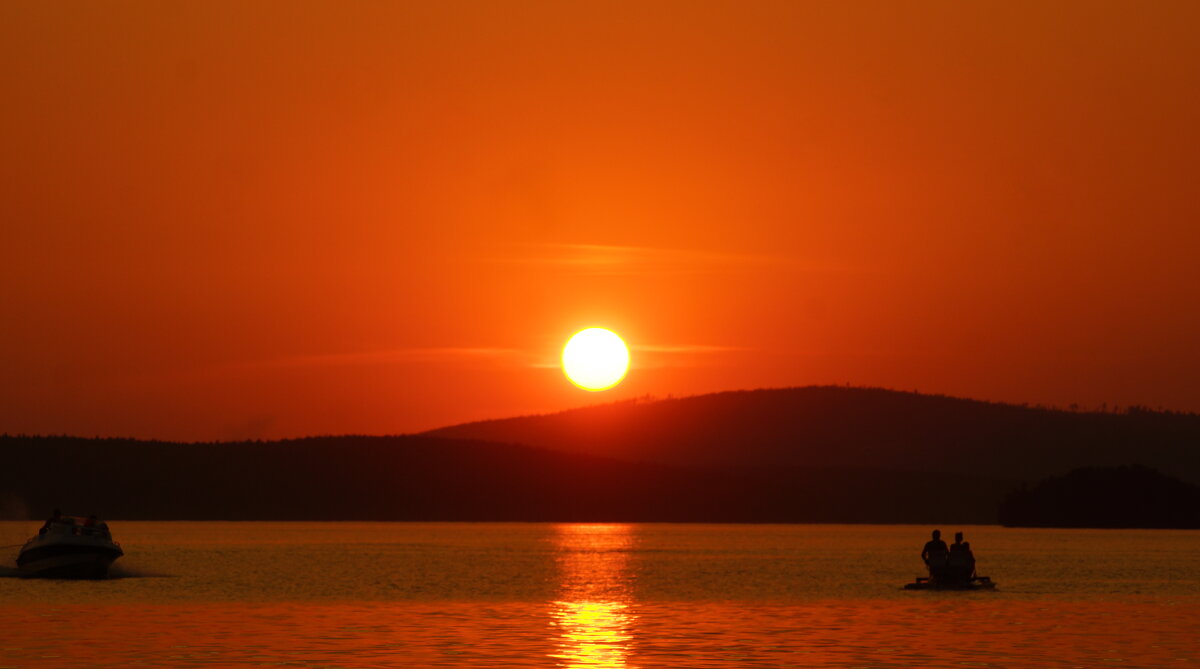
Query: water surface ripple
{"points": [[644, 595]]}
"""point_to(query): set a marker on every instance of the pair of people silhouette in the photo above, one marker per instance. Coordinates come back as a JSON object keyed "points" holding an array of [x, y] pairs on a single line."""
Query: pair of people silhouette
{"points": [[953, 563], [57, 517]]}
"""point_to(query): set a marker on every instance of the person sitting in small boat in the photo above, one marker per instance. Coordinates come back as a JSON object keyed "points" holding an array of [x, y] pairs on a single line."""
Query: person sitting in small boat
{"points": [[970, 557], [957, 545], [961, 563], [935, 554]]}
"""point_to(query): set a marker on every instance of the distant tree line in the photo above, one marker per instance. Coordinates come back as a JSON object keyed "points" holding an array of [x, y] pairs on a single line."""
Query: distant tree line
{"points": [[1104, 497], [431, 479], [815, 454]]}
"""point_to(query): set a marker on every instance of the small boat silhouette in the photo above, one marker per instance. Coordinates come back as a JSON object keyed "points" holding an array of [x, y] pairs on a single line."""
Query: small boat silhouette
{"points": [[931, 583], [69, 547]]}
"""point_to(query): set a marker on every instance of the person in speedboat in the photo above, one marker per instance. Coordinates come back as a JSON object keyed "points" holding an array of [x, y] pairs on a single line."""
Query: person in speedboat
{"points": [[55, 518]]}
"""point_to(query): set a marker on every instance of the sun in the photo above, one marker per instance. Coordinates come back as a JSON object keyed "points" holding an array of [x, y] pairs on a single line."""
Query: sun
{"points": [[595, 359]]}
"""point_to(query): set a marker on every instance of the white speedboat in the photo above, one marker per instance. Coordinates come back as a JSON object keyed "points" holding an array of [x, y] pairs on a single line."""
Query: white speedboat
{"points": [[69, 547]]}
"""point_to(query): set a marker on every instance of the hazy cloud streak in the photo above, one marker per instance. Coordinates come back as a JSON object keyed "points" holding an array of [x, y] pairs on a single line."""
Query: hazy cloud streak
{"points": [[607, 259], [685, 349], [390, 356]]}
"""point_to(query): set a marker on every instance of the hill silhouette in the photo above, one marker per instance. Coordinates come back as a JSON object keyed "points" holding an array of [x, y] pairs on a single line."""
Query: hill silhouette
{"points": [[426, 478], [831, 426], [816, 454], [1105, 497]]}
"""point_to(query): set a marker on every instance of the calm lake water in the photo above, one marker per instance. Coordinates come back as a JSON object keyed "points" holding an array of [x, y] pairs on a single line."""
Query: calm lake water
{"points": [[642, 595]]}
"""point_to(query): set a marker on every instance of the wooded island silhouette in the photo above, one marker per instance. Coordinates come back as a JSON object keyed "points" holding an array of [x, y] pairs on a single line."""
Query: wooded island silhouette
{"points": [[1105, 497], [815, 454]]}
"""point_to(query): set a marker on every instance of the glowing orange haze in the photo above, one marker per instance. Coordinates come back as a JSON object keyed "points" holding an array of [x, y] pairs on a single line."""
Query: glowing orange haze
{"points": [[230, 219]]}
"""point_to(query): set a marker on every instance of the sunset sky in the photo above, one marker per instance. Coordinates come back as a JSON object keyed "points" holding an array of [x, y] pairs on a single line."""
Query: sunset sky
{"points": [[224, 220]]}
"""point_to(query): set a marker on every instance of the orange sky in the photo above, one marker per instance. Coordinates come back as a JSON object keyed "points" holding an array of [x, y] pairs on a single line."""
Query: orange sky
{"points": [[230, 219]]}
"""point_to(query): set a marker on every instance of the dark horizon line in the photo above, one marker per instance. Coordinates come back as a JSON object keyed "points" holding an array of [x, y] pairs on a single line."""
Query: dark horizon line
{"points": [[529, 522]]}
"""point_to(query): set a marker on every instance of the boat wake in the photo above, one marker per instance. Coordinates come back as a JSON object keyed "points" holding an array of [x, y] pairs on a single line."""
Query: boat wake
{"points": [[114, 573], [126, 571]]}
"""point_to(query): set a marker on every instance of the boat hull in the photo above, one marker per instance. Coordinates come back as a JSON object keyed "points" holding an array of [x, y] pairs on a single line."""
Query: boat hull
{"points": [[977, 583], [67, 560]]}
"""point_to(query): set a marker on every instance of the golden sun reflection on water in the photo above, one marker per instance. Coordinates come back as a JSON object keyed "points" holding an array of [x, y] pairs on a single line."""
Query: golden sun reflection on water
{"points": [[592, 615]]}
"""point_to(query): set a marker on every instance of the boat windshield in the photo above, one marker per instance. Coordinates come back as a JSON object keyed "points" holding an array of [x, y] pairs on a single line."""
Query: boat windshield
{"points": [[77, 525]]}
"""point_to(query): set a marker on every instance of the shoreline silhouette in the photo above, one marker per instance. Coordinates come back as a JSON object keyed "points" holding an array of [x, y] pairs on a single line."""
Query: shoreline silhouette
{"points": [[806, 455]]}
